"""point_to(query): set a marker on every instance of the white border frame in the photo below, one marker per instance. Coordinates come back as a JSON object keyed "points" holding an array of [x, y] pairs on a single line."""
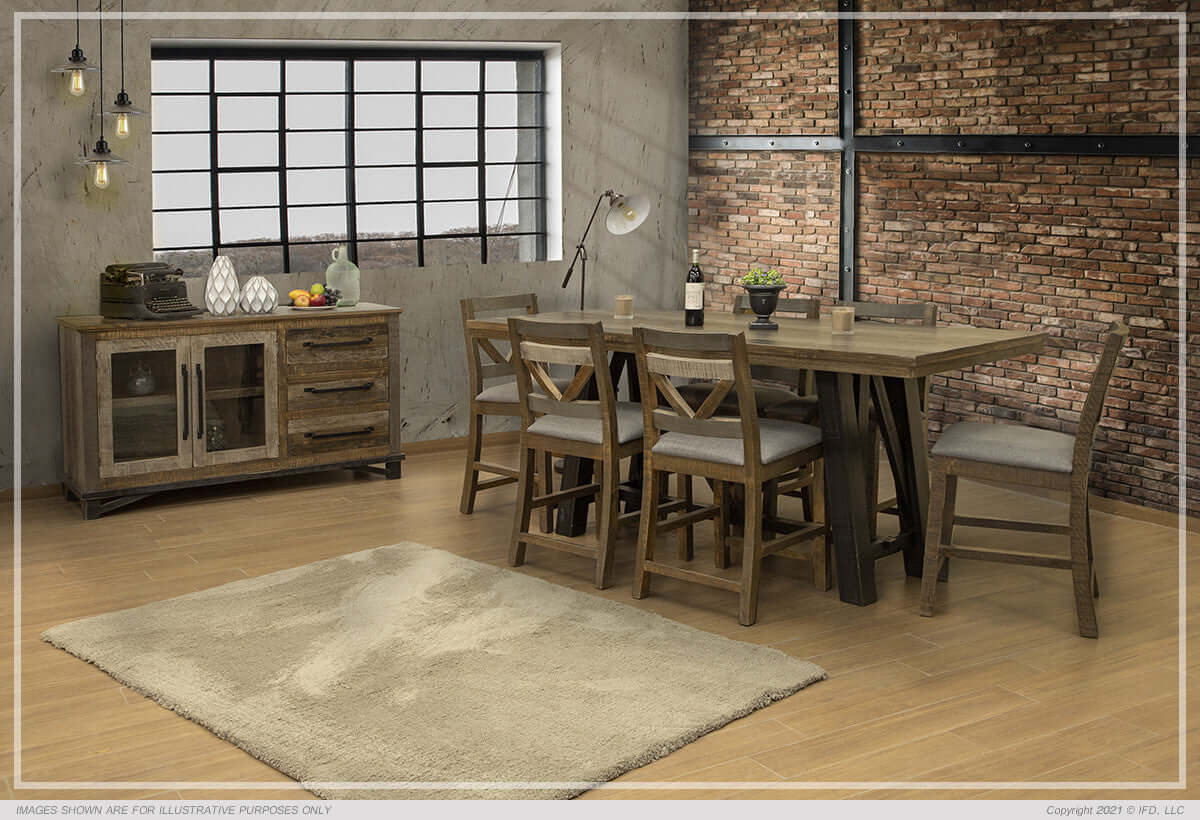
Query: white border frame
{"points": [[19, 783]]}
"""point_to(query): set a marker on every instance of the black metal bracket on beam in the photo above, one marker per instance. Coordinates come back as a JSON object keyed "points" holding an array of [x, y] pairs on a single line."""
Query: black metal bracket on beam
{"points": [[1124, 145], [848, 187], [782, 142]]}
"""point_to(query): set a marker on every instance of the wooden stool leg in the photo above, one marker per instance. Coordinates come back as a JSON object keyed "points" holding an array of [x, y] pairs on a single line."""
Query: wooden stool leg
{"points": [[1091, 553], [720, 526], [947, 534], [933, 539], [752, 531], [471, 476], [647, 532], [685, 535], [546, 483], [1081, 565], [607, 514], [516, 549], [818, 491], [808, 495], [873, 441], [770, 507]]}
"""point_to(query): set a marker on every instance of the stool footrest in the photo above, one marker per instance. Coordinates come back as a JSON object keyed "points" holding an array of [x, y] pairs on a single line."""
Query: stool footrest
{"points": [[1005, 556], [730, 579]]}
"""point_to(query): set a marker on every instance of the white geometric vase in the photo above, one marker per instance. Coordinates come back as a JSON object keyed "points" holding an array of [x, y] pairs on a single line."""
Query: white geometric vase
{"points": [[258, 295], [221, 289]]}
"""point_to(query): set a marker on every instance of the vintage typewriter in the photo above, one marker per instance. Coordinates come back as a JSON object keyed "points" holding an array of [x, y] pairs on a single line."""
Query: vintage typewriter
{"points": [[144, 290]]}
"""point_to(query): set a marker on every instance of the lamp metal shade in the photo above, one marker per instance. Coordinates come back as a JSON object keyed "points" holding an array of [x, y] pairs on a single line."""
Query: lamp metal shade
{"points": [[626, 213]]}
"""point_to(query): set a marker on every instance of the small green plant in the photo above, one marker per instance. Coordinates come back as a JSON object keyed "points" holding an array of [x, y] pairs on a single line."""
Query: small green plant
{"points": [[760, 277]]}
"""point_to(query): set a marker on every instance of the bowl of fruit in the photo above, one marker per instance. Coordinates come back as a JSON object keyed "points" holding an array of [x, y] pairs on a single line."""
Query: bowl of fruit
{"points": [[318, 297]]}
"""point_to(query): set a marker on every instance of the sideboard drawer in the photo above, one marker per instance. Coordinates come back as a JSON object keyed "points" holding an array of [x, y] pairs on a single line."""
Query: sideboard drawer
{"points": [[341, 434], [340, 347], [346, 394]]}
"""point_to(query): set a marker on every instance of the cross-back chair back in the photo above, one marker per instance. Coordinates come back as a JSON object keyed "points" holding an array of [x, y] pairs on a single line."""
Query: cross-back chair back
{"points": [[1093, 405], [716, 358], [536, 346], [485, 360], [796, 307], [923, 312]]}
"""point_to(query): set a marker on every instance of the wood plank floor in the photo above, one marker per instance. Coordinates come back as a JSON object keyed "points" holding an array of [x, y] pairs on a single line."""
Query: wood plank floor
{"points": [[997, 687]]}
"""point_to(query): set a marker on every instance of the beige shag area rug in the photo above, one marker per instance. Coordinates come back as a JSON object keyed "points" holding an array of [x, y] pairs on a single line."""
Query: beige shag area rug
{"points": [[406, 669]]}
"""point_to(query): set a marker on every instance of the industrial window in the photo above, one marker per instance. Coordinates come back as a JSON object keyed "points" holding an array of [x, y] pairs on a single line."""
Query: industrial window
{"points": [[273, 156]]}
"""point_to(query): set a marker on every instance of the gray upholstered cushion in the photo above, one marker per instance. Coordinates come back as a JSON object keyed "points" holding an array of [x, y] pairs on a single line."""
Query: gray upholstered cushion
{"points": [[507, 391], [776, 440], [1013, 445], [629, 426], [800, 409], [764, 397]]}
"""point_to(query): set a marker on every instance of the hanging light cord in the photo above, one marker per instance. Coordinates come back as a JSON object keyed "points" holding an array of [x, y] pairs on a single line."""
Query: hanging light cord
{"points": [[76, 24], [122, 46], [100, 29]]}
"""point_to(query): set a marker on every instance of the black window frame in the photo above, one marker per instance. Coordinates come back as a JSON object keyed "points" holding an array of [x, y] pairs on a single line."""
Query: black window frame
{"points": [[350, 55]]}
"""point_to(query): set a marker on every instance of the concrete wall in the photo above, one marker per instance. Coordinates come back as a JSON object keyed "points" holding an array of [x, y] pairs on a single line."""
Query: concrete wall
{"points": [[624, 116]]}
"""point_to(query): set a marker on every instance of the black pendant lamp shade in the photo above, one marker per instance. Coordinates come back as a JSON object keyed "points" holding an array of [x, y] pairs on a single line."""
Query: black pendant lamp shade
{"points": [[76, 65], [101, 157], [122, 108]]}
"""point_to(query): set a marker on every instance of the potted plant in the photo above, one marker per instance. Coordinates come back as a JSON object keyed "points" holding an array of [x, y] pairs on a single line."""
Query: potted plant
{"points": [[763, 287]]}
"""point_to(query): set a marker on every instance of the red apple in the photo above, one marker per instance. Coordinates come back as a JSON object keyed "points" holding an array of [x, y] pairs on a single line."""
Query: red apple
{"points": [[317, 301]]}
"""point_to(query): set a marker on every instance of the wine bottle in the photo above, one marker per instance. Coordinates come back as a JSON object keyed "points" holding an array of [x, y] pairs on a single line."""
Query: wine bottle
{"points": [[693, 294]]}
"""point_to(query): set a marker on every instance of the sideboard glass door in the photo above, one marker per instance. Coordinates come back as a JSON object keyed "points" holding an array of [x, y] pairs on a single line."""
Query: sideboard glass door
{"points": [[236, 396], [142, 405]]}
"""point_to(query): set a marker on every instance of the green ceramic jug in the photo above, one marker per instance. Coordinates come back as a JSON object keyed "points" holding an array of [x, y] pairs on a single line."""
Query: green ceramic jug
{"points": [[343, 277]]}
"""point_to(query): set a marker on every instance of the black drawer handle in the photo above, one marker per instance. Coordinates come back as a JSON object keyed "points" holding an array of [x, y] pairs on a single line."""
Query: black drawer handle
{"points": [[366, 431], [317, 390], [366, 340], [187, 405]]}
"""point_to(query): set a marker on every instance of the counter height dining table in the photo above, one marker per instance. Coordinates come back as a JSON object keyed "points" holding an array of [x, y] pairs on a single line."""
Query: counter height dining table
{"points": [[880, 365]]}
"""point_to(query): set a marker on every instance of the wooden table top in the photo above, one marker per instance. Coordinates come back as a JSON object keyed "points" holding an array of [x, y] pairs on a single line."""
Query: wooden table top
{"points": [[98, 324], [875, 348]]}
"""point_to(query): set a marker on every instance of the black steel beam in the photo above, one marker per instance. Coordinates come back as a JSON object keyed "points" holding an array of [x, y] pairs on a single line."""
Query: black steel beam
{"points": [[848, 187], [779, 142], [1125, 145]]}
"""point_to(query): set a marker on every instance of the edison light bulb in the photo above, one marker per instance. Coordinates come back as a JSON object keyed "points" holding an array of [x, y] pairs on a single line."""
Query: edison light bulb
{"points": [[76, 78], [629, 212], [100, 177], [122, 125]]}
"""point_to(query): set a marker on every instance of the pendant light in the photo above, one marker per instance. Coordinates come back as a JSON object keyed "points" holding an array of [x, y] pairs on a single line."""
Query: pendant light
{"points": [[122, 108], [76, 65], [101, 157]]}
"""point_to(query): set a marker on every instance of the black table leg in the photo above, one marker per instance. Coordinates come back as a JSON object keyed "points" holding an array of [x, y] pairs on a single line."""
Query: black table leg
{"points": [[572, 517], [898, 403], [846, 481]]}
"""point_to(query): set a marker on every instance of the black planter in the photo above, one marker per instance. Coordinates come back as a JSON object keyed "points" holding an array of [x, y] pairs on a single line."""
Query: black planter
{"points": [[763, 301]]}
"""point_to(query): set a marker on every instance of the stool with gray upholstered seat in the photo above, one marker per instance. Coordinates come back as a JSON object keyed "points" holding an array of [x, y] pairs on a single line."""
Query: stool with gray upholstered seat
{"points": [[1017, 454], [495, 400], [691, 441], [555, 420]]}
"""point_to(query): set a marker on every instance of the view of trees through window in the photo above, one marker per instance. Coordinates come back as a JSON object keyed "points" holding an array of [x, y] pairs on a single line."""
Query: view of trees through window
{"points": [[273, 158]]}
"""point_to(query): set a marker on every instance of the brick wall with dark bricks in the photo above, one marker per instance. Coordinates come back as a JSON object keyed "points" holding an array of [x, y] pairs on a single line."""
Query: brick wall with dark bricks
{"points": [[1064, 244]]}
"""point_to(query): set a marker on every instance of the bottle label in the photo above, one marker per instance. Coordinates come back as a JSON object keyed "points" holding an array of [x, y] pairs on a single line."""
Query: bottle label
{"points": [[693, 296]]}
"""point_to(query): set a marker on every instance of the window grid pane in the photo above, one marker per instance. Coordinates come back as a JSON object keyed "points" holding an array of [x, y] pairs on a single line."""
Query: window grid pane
{"points": [[400, 156]]}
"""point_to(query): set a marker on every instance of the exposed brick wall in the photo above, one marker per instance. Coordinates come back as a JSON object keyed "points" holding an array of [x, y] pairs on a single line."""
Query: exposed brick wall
{"points": [[769, 210], [997, 76], [1061, 244], [762, 76]]}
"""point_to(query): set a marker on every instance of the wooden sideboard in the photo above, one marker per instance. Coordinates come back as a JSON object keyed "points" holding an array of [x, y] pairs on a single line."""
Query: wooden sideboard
{"points": [[149, 406]]}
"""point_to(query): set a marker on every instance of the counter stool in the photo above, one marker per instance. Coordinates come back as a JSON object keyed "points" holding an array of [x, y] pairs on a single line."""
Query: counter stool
{"points": [[691, 441], [1017, 454], [554, 420], [495, 400]]}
